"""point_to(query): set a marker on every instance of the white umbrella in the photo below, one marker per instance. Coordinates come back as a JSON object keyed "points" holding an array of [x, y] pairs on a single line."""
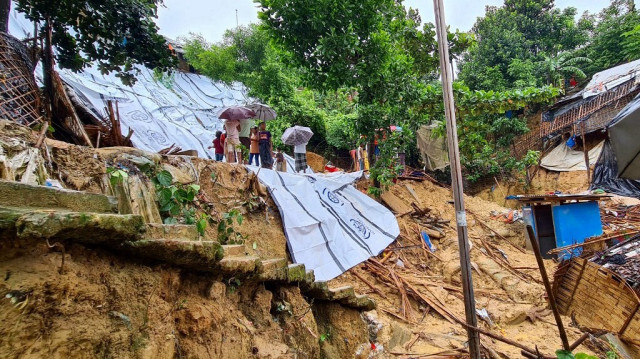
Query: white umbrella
{"points": [[263, 112], [296, 135]]}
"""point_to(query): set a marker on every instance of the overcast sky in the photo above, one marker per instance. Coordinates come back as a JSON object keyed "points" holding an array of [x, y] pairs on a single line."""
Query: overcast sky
{"points": [[212, 17]]}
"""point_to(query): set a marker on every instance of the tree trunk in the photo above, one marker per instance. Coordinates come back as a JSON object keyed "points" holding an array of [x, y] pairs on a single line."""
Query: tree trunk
{"points": [[5, 8]]}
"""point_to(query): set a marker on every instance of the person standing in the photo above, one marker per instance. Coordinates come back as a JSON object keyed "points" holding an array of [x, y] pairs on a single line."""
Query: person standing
{"points": [[254, 148], [233, 141], [265, 146], [245, 132], [300, 155], [281, 164], [218, 145], [360, 156]]}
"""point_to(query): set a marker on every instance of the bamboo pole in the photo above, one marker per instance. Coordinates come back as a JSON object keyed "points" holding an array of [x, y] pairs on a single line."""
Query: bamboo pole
{"points": [[456, 177], [586, 153], [547, 287]]}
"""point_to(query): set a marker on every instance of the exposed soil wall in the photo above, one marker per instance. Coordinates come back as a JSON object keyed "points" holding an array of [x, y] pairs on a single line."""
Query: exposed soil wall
{"points": [[105, 305]]}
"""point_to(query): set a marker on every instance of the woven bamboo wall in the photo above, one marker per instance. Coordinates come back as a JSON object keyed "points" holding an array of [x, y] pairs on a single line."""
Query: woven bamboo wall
{"points": [[19, 96], [598, 299]]}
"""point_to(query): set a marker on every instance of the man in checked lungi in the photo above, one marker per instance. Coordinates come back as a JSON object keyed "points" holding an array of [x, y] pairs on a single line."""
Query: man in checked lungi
{"points": [[300, 156]]}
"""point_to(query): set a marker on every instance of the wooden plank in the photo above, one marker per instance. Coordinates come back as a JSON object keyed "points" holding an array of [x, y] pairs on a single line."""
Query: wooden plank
{"points": [[413, 193], [395, 203]]}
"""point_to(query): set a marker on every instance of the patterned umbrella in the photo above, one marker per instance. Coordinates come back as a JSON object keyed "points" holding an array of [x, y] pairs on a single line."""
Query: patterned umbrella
{"points": [[296, 135], [236, 113], [263, 112]]}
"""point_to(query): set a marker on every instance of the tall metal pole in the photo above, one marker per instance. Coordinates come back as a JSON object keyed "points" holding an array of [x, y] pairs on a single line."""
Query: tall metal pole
{"points": [[456, 181]]}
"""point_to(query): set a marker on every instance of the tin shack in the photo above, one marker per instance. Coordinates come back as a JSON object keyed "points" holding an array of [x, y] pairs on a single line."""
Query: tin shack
{"points": [[560, 220]]}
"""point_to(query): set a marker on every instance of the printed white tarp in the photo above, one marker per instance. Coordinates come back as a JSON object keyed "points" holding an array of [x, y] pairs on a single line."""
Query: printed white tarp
{"points": [[184, 112], [564, 159], [329, 224], [181, 110]]}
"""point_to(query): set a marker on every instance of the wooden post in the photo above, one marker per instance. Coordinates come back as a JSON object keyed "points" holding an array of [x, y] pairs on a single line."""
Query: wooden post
{"points": [[47, 69], [547, 286], [456, 181], [586, 153]]}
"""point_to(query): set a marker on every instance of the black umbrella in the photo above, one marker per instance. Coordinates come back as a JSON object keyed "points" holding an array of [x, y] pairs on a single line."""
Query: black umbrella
{"points": [[624, 134]]}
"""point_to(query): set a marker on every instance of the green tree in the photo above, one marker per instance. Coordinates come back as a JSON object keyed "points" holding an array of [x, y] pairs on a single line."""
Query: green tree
{"points": [[631, 44], [116, 35], [558, 68], [246, 54], [513, 39], [606, 46]]}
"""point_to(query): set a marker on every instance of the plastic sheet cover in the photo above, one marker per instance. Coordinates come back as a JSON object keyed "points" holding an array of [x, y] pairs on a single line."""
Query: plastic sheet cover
{"points": [[564, 159], [330, 226], [605, 175], [181, 110], [624, 132]]}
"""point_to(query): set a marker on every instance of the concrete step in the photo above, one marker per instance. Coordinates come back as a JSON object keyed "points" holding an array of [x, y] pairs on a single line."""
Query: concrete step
{"points": [[361, 302], [197, 255], [296, 272], [82, 227], [187, 232], [340, 293], [239, 265], [22, 195], [273, 265], [234, 250]]}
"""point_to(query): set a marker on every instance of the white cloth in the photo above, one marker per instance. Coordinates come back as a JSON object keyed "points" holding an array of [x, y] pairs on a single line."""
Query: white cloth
{"points": [[301, 148], [330, 226], [564, 159]]}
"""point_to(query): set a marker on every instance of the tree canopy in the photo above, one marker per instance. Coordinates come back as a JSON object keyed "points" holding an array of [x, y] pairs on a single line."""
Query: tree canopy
{"points": [[515, 39], [115, 34], [611, 36], [347, 101]]}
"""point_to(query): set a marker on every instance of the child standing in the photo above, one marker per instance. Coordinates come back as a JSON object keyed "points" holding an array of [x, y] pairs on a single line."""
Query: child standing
{"points": [[254, 150], [265, 146], [281, 164], [218, 145]]}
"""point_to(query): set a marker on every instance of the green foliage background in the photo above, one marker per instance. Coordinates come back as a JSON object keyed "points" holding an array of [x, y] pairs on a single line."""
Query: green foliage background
{"points": [[346, 69]]}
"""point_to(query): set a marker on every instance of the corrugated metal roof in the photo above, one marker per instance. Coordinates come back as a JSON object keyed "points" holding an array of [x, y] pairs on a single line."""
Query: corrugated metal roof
{"points": [[606, 80]]}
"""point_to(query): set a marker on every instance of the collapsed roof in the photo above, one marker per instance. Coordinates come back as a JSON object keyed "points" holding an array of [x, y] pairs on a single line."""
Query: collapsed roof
{"points": [[606, 94], [179, 109]]}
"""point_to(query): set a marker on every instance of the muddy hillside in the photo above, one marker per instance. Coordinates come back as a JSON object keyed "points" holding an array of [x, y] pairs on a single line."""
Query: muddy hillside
{"points": [[108, 268]]}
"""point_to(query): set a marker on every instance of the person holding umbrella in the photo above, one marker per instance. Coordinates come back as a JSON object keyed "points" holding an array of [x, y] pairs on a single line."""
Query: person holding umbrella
{"points": [[298, 136], [233, 115], [234, 152]]}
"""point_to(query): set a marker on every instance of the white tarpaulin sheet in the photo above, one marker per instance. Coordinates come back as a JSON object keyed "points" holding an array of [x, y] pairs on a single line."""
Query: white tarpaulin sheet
{"points": [[564, 159], [184, 113], [330, 226], [182, 110]]}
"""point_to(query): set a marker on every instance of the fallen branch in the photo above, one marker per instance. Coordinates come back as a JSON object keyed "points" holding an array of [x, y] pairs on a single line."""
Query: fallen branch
{"points": [[443, 354], [598, 240], [43, 134], [369, 284]]}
